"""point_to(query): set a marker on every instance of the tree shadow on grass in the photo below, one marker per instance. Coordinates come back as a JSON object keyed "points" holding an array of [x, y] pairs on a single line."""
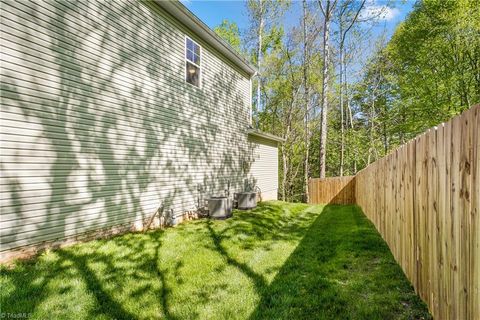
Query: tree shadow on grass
{"points": [[106, 304], [270, 221], [336, 267], [107, 278], [113, 278], [250, 232], [342, 269], [258, 279]]}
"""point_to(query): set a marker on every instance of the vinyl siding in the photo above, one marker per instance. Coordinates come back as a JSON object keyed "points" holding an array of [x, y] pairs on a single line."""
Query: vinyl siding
{"points": [[264, 168], [99, 127]]}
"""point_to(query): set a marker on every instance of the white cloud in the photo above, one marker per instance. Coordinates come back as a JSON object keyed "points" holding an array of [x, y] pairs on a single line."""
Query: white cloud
{"points": [[378, 12]]}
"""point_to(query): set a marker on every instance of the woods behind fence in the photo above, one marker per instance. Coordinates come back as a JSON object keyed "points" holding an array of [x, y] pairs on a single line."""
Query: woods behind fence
{"points": [[424, 200]]}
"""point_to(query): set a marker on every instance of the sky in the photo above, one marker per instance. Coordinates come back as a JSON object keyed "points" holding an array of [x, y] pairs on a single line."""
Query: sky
{"points": [[212, 12]]}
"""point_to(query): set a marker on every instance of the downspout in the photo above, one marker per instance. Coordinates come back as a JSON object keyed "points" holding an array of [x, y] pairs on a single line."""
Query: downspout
{"points": [[251, 101]]}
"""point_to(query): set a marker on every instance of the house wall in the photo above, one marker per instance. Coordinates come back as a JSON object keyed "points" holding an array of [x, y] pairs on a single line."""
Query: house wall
{"points": [[99, 127], [264, 167]]}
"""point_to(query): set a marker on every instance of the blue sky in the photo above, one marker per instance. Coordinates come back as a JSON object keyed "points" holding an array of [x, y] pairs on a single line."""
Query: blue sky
{"points": [[213, 12]]}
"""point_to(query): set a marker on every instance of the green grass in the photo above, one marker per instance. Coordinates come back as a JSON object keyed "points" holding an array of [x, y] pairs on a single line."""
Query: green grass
{"points": [[280, 261]]}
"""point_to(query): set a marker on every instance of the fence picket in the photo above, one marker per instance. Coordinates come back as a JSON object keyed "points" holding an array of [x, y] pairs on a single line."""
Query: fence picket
{"points": [[337, 190], [424, 199], [430, 210]]}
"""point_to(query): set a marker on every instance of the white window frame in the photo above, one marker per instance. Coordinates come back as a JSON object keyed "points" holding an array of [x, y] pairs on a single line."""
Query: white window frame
{"points": [[196, 65]]}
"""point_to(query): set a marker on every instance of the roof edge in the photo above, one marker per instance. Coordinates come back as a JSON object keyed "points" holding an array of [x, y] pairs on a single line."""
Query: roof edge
{"points": [[258, 133], [187, 18]]}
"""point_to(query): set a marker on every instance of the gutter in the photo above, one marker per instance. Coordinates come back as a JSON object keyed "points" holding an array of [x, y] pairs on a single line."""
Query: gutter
{"points": [[260, 134], [187, 18]]}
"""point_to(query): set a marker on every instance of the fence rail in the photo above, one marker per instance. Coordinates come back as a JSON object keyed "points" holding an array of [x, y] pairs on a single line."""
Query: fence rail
{"points": [[424, 200]]}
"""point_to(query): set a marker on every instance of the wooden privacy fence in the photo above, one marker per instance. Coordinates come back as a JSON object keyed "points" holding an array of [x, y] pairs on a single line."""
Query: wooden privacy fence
{"points": [[337, 190], [424, 200]]}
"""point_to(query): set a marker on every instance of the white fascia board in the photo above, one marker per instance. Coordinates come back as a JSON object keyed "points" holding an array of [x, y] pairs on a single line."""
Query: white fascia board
{"points": [[187, 18]]}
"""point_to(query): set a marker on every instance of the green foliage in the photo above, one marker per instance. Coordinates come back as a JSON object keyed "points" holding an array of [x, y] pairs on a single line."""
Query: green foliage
{"points": [[229, 32], [428, 72], [279, 261], [435, 62], [273, 39]]}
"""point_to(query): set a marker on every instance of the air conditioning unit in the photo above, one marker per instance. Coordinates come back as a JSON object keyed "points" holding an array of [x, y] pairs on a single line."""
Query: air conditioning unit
{"points": [[246, 200], [219, 207]]}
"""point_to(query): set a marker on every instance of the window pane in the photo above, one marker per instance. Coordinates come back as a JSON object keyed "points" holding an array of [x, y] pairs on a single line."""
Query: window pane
{"points": [[189, 44], [192, 74], [189, 55], [196, 59], [196, 48]]}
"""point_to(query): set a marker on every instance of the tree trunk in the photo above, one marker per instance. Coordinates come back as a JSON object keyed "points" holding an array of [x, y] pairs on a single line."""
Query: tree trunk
{"points": [[342, 128], [325, 89], [259, 58], [372, 144], [344, 29], [306, 101], [350, 115], [385, 137]]}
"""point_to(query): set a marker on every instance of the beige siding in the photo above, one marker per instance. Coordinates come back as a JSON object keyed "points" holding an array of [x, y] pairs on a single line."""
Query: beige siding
{"points": [[264, 168], [98, 126]]}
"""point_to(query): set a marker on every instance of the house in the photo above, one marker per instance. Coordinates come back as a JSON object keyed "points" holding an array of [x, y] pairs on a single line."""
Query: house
{"points": [[118, 116]]}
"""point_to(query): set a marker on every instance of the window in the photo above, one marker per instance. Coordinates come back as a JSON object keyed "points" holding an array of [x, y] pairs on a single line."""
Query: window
{"points": [[192, 62]]}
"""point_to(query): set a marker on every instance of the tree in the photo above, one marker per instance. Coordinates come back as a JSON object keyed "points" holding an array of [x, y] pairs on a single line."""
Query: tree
{"points": [[348, 15], [229, 32], [327, 9], [427, 72], [306, 90], [435, 57], [283, 81], [263, 16]]}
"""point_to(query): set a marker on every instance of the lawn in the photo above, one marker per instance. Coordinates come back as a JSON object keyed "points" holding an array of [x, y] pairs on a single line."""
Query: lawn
{"points": [[279, 261]]}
